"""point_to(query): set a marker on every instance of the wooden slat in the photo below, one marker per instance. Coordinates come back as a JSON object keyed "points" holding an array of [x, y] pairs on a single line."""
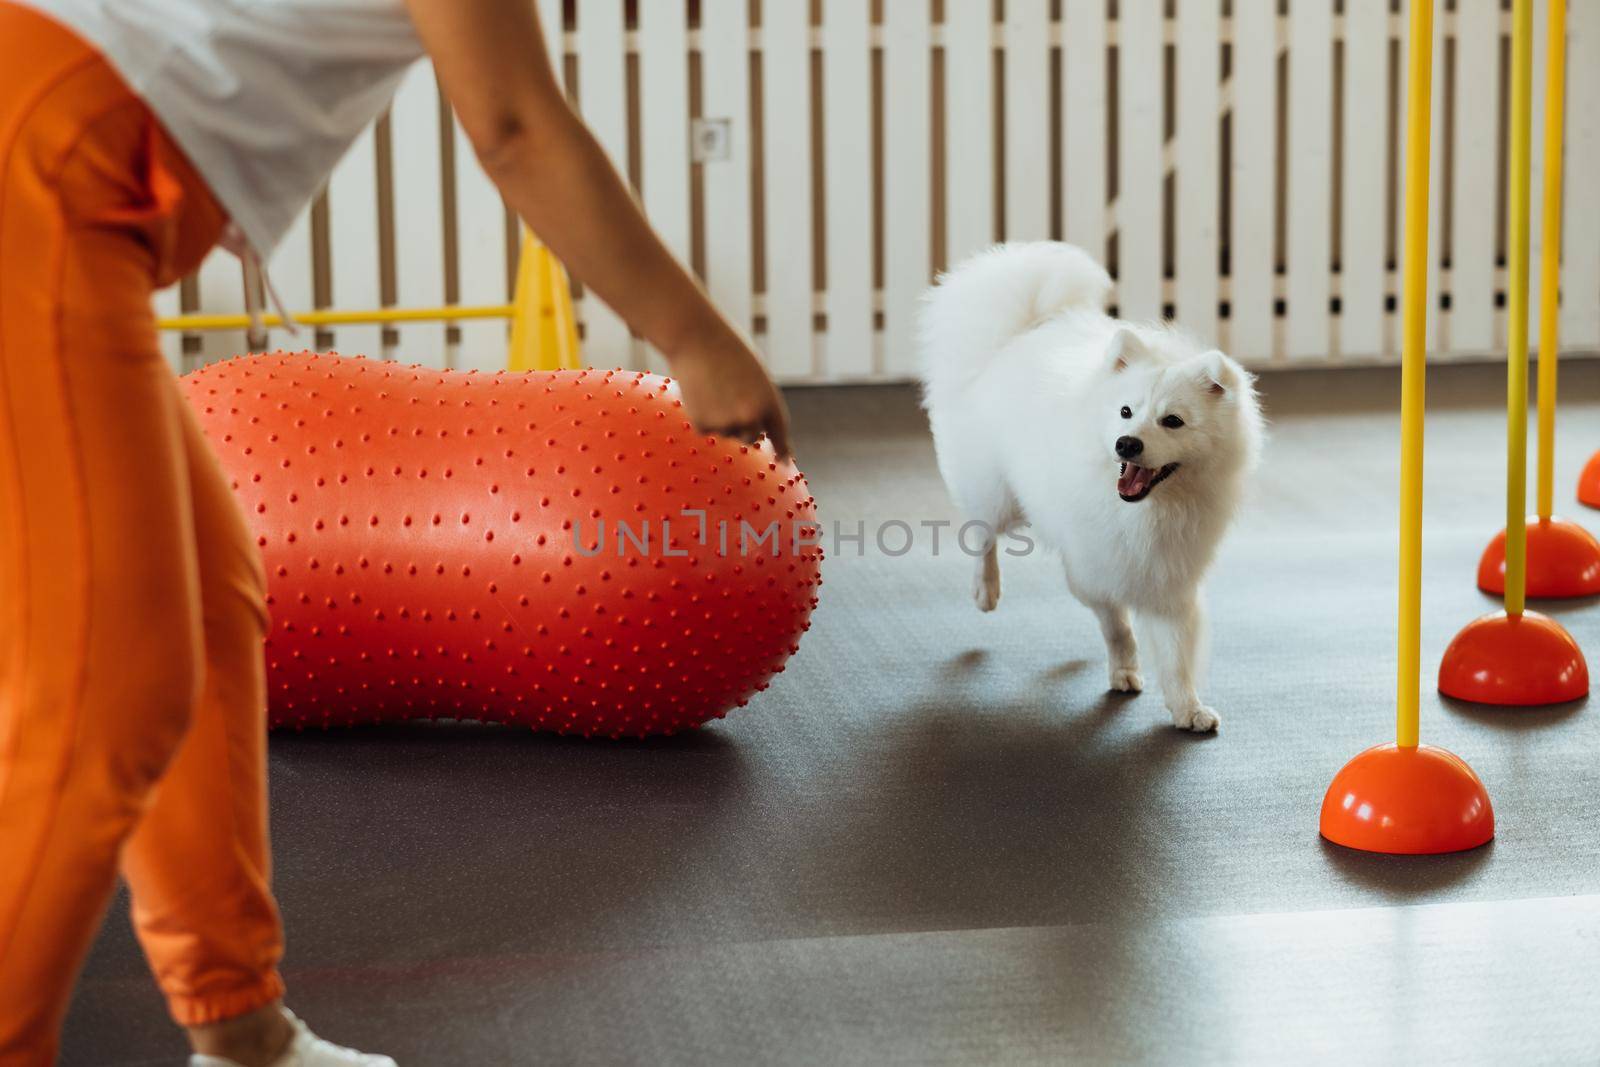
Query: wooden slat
{"points": [[353, 244], [664, 128], [969, 128], [1083, 114], [1253, 161], [725, 94], [414, 149], [787, 192], [847, 188], [1310, 155], [1139, 132], [1580, 240], [1198, 153], [907, 171], [1027, 120], [292, 272], [603, 97], [1477, 167]]}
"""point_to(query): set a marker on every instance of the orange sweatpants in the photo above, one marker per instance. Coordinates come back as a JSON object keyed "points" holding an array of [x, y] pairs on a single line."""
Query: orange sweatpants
{"points": [[132, 694]]}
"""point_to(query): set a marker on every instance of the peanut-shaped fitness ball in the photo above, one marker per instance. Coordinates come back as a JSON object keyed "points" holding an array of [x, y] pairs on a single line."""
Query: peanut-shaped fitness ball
{"points": [[558, 549]]}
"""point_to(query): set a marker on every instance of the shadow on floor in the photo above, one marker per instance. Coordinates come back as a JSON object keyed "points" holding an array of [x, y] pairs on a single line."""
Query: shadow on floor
{"points": [[449, 822], [992, 814], [1567, 605], [1400, 878], [1514, 720]]}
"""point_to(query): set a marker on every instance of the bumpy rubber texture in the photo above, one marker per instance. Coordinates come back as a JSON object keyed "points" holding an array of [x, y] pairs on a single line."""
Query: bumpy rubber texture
{"points": [[447, 545]]}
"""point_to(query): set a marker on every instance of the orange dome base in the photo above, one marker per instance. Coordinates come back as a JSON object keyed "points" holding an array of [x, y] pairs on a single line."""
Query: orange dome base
{"points": [[1563, 561], [1522, 660], [1407, 801], [1589, 482]]}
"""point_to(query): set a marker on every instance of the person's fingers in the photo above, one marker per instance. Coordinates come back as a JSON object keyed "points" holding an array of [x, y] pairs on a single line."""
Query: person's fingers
{"points": [[745, 433], [778, 433], [772, 424]]}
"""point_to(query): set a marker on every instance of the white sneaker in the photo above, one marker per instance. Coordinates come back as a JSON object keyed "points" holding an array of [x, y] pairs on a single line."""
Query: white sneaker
{"points": [[306, 1050]]}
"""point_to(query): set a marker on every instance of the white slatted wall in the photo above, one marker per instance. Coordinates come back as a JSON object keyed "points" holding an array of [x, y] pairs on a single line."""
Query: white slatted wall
{"points": [[968, 127], [663, 53], [1198, 142], [1580, 238], [907, 155], [1027, 112], [353, 242], [1083, 106], [603, 101], [725, 95], [1139, 169], [1474, 179], [1365, 176], [1151, 137], [786, 109], [847, 188], [418, 186], [1252, 180]]}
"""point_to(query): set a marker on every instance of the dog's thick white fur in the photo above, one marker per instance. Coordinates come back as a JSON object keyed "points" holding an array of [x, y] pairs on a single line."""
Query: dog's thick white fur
{"points": [[1125, 446]]}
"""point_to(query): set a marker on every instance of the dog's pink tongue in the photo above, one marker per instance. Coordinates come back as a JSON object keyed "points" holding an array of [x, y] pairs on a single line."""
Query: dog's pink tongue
{"points": [[1134, 479]]}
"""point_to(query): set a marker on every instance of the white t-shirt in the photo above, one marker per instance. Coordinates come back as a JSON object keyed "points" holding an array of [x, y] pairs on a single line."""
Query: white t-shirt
{"points": [[263, 96]]}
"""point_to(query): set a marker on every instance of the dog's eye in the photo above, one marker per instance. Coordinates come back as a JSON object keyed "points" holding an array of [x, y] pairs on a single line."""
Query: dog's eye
{"points": [[1172, 422], [1127, 412]]}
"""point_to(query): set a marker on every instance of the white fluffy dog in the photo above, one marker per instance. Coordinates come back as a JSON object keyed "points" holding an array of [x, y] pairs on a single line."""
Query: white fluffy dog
{"points": [[1125, 446]]}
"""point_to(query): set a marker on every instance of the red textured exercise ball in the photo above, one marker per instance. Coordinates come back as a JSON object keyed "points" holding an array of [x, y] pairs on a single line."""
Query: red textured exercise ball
{"points": [[446, 545]]}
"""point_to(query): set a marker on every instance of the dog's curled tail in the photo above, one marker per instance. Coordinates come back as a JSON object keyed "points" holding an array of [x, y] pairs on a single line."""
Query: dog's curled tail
{"points": [[996, 295]]}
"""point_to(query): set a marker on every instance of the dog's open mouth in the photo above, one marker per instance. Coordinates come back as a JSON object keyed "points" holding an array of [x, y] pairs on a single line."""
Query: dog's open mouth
{"points": [[1135, 482]]}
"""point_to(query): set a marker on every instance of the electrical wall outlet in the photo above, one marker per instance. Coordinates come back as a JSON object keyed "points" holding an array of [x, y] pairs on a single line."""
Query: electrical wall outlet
{"points": [[712, 139]]}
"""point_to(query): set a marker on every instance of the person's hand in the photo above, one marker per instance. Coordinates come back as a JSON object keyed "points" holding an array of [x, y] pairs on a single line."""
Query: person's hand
{"points": [[491, 61], [727, 392]]}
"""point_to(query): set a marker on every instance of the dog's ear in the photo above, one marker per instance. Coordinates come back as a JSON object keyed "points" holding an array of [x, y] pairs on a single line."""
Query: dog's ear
{"points": [[1125, 350], [1221, 375]]}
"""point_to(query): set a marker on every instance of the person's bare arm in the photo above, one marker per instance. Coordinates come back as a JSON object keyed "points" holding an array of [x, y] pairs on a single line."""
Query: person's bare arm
{"points": [[491, 61]]}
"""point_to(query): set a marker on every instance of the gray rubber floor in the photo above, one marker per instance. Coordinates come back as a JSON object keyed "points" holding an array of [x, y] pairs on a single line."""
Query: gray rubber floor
{"points": [[937, 838]]}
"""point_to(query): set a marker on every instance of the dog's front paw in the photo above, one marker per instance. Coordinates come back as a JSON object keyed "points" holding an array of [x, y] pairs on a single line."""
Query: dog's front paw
{"points": [[986, 591], [1126, 680], [1197, 717]]}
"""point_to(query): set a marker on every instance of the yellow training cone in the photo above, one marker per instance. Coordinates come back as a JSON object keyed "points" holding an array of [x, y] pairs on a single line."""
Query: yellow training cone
{"points": [[544, 330]]}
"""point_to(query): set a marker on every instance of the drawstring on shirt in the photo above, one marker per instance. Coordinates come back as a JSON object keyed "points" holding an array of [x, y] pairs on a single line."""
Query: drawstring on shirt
{"points": [[256, 279]]}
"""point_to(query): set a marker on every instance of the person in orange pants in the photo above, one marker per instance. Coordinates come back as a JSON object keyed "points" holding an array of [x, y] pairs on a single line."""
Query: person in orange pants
{"points": [[131, 595], [132, 696]]}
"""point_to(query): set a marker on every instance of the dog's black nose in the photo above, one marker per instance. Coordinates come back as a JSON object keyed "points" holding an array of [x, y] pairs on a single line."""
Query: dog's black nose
{"points": [[1128, 447]]}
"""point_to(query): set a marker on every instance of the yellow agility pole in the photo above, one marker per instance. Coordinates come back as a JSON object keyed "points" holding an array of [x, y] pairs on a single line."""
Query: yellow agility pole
{"points": [[201, 323], [1517, 307], [1410, 798], [1555, 93], [1413, 364], [1516, 657], [1559, 558]]}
